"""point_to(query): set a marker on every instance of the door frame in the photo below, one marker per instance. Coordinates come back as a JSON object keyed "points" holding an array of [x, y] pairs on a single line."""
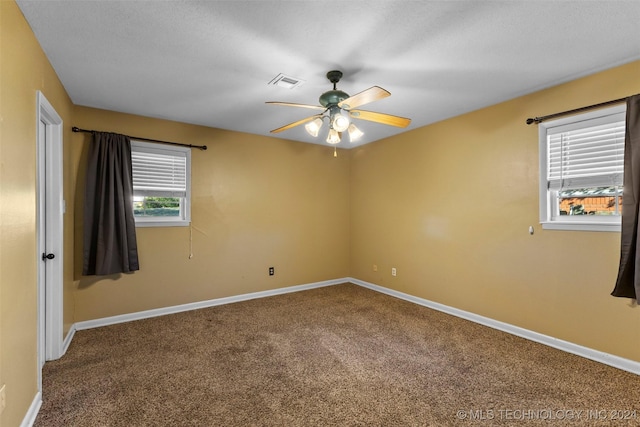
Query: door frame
{"points": [[50, 280]]}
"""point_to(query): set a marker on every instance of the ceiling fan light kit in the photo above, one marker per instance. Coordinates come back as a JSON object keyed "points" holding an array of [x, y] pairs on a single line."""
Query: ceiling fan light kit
{"points": [[333, 103]]}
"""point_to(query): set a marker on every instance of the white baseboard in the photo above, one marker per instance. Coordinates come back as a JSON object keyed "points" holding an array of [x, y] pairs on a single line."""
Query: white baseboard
{"points": [[598, 356], [67, 340], [105, 321], [32, 413], [589, 353]]}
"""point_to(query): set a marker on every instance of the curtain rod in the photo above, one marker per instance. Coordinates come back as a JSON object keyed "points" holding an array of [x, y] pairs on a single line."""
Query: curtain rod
{"points": [[537, 120], [201, 147]]}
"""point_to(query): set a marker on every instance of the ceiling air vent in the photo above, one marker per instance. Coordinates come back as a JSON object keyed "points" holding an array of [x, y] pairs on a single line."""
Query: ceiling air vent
{"points": [[287, 82]]}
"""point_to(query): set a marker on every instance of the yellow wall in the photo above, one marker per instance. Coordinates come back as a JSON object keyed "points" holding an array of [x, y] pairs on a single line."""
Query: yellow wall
{"points": [[24, 69], [256, 202], [449, 205]]}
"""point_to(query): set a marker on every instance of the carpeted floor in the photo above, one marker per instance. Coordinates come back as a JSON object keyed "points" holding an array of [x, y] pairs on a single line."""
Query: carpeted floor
{"points": [[336, 356]]}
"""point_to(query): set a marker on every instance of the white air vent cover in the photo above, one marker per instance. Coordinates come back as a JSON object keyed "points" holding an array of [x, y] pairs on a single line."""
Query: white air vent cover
{"points": [[287, 82]]}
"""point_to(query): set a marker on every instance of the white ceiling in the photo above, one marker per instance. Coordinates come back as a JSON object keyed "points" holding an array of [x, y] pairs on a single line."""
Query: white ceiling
{"points": [[210, 62]]}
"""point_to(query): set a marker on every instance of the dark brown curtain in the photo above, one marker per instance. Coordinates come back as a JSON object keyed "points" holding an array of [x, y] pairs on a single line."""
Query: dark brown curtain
{"points": [[109, 226], [628, 282]]}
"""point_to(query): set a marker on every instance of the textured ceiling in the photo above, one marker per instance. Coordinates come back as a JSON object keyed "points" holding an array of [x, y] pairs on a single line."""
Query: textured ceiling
{"points": [[210, 62]]}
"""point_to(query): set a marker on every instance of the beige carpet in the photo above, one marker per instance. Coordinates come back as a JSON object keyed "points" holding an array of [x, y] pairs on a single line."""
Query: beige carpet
{"points": [[336, 356]]}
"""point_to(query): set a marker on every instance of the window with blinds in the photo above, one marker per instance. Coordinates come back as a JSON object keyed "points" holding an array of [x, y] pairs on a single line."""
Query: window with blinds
{"points": [[161, 184], [581, 171]]}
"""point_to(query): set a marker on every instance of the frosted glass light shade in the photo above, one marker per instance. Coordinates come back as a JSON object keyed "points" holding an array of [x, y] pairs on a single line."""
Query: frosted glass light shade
{"points": [[354, 133], [313, 127], [340, 122], [333, 137]]}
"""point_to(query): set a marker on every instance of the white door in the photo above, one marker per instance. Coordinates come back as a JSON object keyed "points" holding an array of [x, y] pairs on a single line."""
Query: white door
{"points": [[42, 241], [50, 210]]}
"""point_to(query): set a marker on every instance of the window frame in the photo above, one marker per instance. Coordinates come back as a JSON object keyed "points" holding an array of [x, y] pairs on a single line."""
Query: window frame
{"points": [[568, 222], [184, 219]]}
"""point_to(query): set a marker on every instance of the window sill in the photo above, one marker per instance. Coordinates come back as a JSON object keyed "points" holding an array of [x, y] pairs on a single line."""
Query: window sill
{"points": [[162, 223], [581, 226]]}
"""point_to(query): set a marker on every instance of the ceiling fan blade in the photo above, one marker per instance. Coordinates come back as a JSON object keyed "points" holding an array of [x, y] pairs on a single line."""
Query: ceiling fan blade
{"points": [[374, 93], [299, 122], [385, 119], [292, 104]]}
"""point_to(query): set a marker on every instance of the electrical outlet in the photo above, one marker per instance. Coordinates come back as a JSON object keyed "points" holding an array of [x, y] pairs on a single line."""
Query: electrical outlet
{"points": [[3, 398], [272, 271], [394, 272], [375, 267]]}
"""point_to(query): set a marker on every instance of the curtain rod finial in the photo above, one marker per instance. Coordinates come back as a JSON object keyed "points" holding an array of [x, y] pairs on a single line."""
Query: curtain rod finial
{"points": [[534, 120]]}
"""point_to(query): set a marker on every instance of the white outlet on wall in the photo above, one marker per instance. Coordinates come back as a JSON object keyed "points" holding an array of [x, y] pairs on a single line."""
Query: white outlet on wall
{"points": [[393, 271]]}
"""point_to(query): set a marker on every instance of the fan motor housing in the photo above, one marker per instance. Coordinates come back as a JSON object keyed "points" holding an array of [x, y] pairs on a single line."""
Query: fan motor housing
{"points": [[332, 97]]}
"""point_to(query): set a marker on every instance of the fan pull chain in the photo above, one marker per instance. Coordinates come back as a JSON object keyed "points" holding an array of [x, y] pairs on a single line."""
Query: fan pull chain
{"points": [[335, 152], [190, 240]]}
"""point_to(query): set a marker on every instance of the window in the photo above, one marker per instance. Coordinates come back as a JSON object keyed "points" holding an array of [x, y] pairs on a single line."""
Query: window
{"points": [[581, 171], [161, 184]]}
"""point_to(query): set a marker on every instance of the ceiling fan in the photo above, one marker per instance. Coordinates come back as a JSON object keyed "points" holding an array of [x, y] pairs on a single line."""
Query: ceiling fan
{"points": [[334, 104]]}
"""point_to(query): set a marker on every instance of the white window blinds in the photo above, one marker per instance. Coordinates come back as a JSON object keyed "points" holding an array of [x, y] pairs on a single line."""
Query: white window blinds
{"points": [[591, 156], [159, 172]]}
